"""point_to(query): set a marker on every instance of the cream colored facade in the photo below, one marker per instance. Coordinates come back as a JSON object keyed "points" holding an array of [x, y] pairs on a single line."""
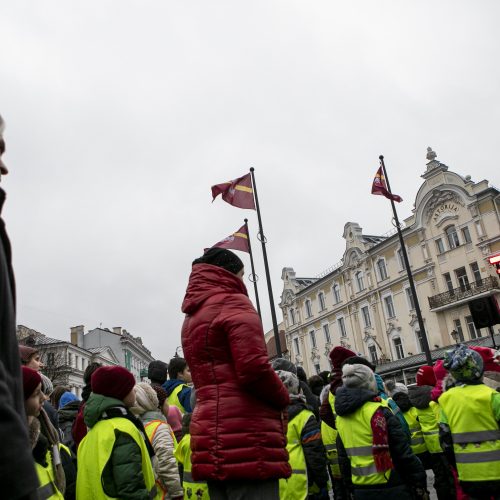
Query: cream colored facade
{"points": [[364, 303]]}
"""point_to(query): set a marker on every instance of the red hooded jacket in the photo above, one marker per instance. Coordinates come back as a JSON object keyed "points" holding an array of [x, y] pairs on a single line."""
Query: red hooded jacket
{"points": [[238, 428]]}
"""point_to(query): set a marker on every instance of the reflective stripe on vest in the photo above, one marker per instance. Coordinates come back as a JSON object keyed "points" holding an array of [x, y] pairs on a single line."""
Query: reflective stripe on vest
{"points": [[193, 490], [475, 432], [173, 399], [46, 476], [357, 436], [417, 441], [95, 451], [428, 419], [295, 487]]}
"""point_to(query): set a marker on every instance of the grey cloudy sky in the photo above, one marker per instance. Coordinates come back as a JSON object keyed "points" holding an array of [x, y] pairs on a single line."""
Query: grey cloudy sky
{"points": [[121, 115]]}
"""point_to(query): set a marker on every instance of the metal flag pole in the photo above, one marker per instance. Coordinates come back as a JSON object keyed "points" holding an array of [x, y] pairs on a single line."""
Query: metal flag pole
{"points": [[425, 342], [253, 277], [266, 267]]}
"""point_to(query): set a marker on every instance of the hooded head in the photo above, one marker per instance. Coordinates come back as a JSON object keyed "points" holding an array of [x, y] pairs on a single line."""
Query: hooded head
{"points": [[290, 381], [466, 365], [359, 377]]}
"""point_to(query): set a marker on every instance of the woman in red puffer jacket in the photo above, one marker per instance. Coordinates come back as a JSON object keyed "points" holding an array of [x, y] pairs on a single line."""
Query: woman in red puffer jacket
{"points": [[238, 429]]}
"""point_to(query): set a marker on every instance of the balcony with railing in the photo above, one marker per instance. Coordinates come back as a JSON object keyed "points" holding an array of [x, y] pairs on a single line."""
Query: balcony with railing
{"points": [[464, 292]]}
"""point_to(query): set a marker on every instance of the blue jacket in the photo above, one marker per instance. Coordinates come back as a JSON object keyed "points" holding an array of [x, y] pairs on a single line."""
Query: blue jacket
{"points": [[184, 396]]}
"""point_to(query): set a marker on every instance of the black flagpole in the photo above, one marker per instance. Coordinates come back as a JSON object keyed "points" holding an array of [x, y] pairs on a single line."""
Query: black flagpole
{"points": [[266, 267], [425, 343], [253, 277]]}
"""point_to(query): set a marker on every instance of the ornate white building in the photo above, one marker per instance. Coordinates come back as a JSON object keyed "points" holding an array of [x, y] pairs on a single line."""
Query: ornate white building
{"points": [[365, 303]]}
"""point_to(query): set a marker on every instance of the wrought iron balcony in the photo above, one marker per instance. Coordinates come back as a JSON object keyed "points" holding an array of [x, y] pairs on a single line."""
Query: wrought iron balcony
{"points": [[464, 292]]}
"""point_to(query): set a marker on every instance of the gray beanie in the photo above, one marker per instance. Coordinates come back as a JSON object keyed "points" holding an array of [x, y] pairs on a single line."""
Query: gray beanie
{"points": [[47, 386], [284, 364], [359, 377], [290, 381]]}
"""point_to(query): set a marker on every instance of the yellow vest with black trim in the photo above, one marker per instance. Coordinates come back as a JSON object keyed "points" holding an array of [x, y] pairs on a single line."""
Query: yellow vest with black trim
{"points": [[295, 487], [329, 438], [151, 428], [356, 433], [417, 438], [475, 432], [428, 419], [95, 452], [173, 398], [46, 475], [193, 490]]}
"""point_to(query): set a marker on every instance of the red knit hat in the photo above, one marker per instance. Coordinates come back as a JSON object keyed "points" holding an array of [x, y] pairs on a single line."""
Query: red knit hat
{"points": [[31, 380], [112, 381], [487, 354], [425, 376], [25, 353], [338, 355]]}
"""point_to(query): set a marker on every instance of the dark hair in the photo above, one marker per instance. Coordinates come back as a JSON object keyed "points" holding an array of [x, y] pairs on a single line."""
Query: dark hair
{"points": [[316, 384], [58, 391], [325, 375], [186, 423], [176, 366], [91, 368], [301, 374]]}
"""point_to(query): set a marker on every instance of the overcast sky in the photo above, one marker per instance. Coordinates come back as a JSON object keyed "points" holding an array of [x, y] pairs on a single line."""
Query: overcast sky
{"points": [[121, 115]]}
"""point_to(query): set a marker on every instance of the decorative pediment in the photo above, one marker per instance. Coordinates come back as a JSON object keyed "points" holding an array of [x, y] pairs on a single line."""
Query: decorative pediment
{"points": [[288, 297], [443, 205], [392, 327]]}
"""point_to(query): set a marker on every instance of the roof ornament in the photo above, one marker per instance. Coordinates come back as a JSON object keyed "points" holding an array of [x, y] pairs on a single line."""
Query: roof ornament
{"points": [[431, 155]]}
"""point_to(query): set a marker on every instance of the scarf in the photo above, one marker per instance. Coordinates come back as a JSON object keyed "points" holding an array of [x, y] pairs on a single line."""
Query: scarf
{"points": [[381, 453], [52, 436]]}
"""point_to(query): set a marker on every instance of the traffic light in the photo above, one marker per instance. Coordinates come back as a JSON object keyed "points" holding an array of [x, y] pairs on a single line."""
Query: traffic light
{"points": [[495, 261]]}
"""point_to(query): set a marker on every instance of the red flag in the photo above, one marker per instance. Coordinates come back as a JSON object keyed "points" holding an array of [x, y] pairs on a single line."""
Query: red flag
{"points": [[238, 193], [379, 187], [236, 241]]}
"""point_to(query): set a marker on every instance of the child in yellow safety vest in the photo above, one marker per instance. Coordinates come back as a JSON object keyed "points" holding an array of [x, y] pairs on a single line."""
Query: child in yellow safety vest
{"points": [[151, 407], [470, 424], [307, 454], [177, 387]]}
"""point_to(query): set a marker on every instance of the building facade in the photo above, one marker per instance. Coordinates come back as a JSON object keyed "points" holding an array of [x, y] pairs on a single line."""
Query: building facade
{"points": [[365, 303]]}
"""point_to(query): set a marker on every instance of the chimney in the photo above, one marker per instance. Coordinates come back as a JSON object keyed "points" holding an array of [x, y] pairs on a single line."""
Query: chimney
{"points": [[117, 330], [77, 335]]}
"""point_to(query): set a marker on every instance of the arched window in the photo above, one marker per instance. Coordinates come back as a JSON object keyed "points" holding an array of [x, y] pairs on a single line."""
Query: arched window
{"points": [[451, 234]]}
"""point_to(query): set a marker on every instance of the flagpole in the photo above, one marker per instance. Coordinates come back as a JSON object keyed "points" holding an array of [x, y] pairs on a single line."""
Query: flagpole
{"points": [[425, 342], [266, 267], [253, 276]]}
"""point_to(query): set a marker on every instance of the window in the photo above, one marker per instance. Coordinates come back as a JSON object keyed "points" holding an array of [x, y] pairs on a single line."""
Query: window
{"points": [[372, 350], [479, 228], [308, 308], [389, 306], [296, 345], [342, 329], [420, 341], [366, 316], [439, 245], [76, 361], [83, 364], [409, 298], [451, 234], [50, 358], [398, 348], [401, 259], [382, 270], [70, 359], [312, 336], [476, 272], [326, 332], [463, 280], [466, 234], [447, 280], [473, 333], [292, 316], [360, 281], [336, 293], [321, 298], [458, 327]]}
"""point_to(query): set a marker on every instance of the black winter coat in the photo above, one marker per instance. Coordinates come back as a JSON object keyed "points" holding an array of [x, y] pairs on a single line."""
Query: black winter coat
{"points": [[17, 469], [408, 472]]}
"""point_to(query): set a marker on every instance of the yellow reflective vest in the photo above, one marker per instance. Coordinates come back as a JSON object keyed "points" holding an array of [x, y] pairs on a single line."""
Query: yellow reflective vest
{"points": [[95, 451], [428, 419], [356, 433], [46, 475], [475, 432], [295, 487], [151, 428], [193, 490], [417, 438], [173, 399], [329, 438]]}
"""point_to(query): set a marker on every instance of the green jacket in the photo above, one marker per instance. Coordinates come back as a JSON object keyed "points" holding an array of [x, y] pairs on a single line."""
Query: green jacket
{"points": [[122, 477]]}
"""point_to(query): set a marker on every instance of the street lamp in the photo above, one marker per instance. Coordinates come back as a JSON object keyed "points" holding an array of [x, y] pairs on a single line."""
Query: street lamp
{"points": [[176, 355], [454, 336]]}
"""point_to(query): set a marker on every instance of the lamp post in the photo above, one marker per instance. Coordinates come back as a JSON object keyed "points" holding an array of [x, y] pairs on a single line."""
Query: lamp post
{"points": [[176, 355], [454, 336]]}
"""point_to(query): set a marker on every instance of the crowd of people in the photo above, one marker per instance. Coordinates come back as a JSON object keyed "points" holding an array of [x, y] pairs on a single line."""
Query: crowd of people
{"points": [[226, 424]]}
